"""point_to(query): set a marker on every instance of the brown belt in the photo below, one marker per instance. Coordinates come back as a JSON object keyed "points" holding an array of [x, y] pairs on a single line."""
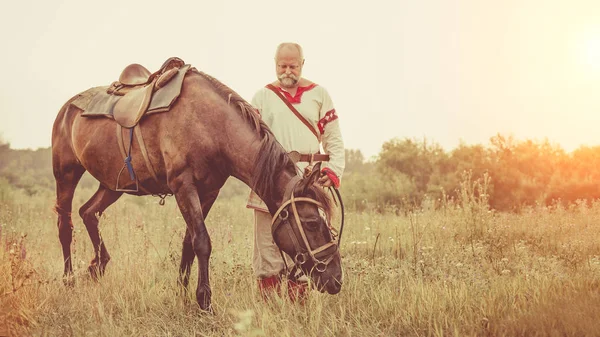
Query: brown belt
{"points": [[309, 158]]}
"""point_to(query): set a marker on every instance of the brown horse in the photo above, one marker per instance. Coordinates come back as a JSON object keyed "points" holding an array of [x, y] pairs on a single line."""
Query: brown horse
{"points": [[209, 134]]}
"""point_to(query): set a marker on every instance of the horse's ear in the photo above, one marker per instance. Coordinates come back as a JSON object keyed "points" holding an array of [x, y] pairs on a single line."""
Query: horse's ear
{"points": [[312, 178]]}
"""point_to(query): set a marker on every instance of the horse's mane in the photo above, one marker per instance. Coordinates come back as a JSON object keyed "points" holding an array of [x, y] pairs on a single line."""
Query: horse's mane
{"points": [[245, 109], [272, 158]]}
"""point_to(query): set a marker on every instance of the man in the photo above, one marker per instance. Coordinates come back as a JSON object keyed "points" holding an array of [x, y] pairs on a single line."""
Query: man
{"points": [[313, 123]]}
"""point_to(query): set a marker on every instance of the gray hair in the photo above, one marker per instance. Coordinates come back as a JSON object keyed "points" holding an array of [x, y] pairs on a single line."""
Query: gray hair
{"points": [[290, 44]]}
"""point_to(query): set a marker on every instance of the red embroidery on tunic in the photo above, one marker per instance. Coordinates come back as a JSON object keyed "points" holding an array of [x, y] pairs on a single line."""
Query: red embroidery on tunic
{"points": [[296, 98], [330, 116]]}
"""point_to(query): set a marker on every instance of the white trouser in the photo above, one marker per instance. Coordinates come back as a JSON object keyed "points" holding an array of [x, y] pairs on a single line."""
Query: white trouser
{"points": [[266, 259]]}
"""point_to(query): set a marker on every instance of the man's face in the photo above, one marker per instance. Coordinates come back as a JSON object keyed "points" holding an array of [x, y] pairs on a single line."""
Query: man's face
{"points": [[288, 66]]}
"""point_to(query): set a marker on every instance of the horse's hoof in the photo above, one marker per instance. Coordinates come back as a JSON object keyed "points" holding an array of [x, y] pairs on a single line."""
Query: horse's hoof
{"points": [[69, 280], [94, 272], [182, 291], [206, 309], [203, 297]]}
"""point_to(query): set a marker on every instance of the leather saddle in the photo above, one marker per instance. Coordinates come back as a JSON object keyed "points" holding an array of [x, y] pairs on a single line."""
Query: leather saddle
{"points": [[137, 85], [139, 92], [134, 74]]}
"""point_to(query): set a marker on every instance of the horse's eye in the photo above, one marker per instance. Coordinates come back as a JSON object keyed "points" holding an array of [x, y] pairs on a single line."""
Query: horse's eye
{"points": [[312, 225]]}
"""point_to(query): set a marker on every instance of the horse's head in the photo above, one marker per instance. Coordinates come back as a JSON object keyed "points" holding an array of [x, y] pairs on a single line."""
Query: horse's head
{"points": [[301, 228]]}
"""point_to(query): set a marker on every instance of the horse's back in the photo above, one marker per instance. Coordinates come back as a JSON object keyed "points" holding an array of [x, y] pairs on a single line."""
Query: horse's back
{"points": [[193, 125], [75, 104]]}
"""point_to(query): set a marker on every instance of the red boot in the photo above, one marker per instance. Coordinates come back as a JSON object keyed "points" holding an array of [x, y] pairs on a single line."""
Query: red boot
{"points": [[298, 291], [269, 286]]}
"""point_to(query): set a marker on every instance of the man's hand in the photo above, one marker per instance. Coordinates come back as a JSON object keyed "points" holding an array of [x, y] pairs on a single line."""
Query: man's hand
{"points": [[325, 181]]}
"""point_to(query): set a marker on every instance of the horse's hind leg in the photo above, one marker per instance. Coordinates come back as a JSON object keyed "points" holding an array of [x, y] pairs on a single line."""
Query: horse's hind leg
{"points": [[187, 260], [96, 205], [67, 173]]}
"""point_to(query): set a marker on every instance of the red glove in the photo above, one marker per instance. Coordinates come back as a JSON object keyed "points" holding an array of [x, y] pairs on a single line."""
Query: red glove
{"points": [[332, 176]]}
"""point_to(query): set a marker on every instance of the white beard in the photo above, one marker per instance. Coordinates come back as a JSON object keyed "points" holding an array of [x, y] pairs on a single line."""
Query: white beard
{"points": [[288, 81]]}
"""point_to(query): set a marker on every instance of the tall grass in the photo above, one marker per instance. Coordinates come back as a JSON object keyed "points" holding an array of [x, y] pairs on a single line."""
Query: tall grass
{"points": [[459, 270]]}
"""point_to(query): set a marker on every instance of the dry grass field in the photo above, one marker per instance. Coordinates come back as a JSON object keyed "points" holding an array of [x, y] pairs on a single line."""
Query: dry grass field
{"points": [[460, 270]]}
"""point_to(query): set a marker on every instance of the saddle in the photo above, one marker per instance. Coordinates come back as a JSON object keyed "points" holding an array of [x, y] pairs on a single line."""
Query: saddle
{"points": [[135, 74], [139, 92]]}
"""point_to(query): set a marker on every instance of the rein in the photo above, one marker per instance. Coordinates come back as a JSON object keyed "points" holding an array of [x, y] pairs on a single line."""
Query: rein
{"points": [[342, 210]]}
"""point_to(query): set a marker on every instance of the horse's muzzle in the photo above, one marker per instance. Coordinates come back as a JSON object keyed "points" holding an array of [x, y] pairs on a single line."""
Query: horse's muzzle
{"points": [[334, 287]]}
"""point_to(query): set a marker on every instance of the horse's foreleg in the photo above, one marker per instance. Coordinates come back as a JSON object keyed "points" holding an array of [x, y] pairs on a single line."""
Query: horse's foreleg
{"points": [[96, 205], [187, 251], [188, 201]]}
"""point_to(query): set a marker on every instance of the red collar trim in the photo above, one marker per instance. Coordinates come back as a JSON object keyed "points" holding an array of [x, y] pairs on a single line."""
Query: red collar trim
{"points": [[298, 97]]}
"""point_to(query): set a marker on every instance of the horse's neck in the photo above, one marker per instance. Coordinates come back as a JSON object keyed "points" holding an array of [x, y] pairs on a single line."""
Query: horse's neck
{"points": [[243, 162], [273, 196], [273, 202]]}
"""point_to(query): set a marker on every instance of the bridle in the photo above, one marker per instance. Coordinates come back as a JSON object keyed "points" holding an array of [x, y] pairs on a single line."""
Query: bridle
{"points": [[320, 256]]}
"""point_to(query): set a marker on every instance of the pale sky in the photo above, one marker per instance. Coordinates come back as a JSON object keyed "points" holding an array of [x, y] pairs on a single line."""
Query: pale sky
{"points": [[441, 69]]}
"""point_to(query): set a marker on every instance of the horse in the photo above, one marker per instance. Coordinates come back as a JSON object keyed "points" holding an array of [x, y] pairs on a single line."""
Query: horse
{"points": [[209, 134]]}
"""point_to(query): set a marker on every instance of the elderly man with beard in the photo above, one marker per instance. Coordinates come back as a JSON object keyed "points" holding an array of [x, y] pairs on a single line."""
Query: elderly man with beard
{"points": [[301, 115]]}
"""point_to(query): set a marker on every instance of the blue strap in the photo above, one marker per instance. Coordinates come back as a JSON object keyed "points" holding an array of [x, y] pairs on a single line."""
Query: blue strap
{"points": [[129, 167]]}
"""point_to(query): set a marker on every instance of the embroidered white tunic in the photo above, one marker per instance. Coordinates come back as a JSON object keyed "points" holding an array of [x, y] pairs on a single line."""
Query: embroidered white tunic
{"points": [[316, 106]]}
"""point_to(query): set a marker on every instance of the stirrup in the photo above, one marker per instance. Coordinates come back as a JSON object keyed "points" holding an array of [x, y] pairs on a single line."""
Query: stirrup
{"points": [[137, 186]]}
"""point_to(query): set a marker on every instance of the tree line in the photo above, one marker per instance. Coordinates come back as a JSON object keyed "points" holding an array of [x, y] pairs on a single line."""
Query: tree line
{"points": [[516, 173]]}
